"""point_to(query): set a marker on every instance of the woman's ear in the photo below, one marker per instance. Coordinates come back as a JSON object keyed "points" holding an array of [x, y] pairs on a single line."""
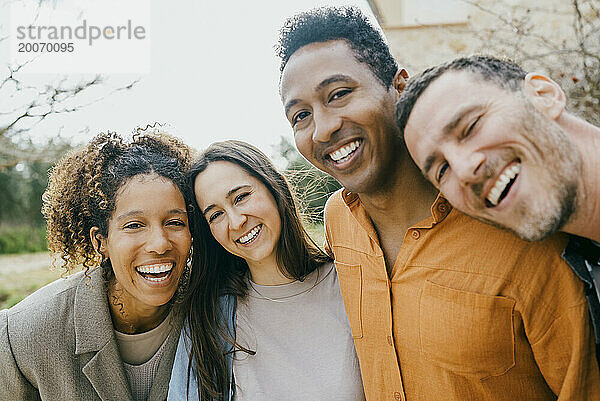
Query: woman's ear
{"points": [[98, 241], [545, 95]]}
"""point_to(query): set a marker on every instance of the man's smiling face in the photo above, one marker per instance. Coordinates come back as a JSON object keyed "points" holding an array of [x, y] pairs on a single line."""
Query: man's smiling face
{"points": [[342, 115], [493, 155]]}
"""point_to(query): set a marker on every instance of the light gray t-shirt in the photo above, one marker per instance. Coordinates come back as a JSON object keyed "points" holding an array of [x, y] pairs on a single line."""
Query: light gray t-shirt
{"points": [[303, 343]]}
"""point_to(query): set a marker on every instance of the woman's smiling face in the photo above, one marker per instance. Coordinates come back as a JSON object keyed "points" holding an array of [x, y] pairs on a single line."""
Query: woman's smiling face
{"points": [[148, 239], [241, 212]]}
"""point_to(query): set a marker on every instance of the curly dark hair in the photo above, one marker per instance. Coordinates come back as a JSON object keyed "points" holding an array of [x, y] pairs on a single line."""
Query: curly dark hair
{"points": [[83, 187], [338, 23], [503, 73], [216, 272]]}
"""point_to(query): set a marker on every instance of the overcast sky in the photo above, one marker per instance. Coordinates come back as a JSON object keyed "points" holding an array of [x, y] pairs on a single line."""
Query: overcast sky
{"points": [[213, 76]]}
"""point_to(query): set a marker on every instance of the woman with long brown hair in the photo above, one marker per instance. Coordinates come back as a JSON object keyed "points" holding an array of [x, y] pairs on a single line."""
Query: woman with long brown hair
{"points": [[266, 319]]}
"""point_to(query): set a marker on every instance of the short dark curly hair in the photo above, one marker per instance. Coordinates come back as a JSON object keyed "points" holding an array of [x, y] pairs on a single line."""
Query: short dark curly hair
{"points": [[338, 23], [503, 73], [83, 187]]}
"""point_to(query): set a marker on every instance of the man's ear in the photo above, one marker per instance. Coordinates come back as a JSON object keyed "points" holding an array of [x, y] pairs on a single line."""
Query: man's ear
{"points": [[545, 94], [400, 79], [98, 241]]}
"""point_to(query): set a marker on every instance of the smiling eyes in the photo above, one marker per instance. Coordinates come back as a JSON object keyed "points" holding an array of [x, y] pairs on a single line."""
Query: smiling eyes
{"points": [[299, 117], [132, 226], [442, 170], [443, 166], [335, 95], [239, 198], [214, 216], [339, 94], [137, 225], [469, 130]]}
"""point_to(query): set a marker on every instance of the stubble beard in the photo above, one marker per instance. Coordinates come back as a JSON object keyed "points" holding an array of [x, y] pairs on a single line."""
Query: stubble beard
{"points": [[561, 161]]}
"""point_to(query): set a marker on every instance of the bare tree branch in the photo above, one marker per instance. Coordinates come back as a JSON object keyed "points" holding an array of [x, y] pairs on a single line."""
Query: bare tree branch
{"points": [[27, 105], [570, 55]]}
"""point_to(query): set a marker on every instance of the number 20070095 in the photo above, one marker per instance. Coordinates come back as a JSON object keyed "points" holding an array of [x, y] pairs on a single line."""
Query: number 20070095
{"points": [[45, 47]]}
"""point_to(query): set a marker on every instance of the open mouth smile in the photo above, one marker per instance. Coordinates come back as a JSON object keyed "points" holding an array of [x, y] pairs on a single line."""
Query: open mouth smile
{"points": [[345, 152], [503, 185], [251, 236], [155, 273]]}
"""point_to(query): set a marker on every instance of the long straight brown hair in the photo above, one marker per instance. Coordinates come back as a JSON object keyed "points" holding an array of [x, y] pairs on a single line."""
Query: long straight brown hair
{"points": [[217, 273]]}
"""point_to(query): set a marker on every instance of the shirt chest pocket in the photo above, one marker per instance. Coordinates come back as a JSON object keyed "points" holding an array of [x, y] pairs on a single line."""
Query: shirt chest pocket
{"points": [[466, 333], [350, 280]]}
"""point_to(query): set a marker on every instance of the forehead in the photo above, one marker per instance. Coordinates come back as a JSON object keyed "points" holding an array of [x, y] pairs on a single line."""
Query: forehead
{"points": [[147, 192], [445, 97], [453, 94], [213, 184], [313, 63]]}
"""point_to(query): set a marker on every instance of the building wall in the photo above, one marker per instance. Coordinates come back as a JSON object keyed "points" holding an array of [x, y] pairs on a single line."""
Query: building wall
{"points": [[427, 32]]}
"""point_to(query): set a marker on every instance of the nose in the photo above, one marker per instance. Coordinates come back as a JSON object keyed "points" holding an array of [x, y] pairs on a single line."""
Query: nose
{"points": [[158, 242], [236, 220], [326, 123], [468, 165]]}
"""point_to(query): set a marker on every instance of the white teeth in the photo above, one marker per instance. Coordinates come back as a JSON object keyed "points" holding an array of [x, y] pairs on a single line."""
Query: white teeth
{"points": [[159, 268], [156, 279], [250, 236], [500, 185], [343, 152]]}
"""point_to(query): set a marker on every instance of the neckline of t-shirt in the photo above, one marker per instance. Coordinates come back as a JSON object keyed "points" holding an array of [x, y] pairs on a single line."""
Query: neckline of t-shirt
{"points": [[295, 288], [161, 328]]}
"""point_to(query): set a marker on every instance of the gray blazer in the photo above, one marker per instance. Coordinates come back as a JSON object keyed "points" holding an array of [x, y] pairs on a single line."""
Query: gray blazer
{"points": [[59, 344]]}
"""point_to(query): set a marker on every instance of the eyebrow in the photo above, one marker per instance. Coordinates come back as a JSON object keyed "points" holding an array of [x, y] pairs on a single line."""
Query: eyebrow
{"points": [[139, 212], [333, 79], [458, 117], [428, 164], [327, 81], [291, 104], [447, 131], [229, 193]]}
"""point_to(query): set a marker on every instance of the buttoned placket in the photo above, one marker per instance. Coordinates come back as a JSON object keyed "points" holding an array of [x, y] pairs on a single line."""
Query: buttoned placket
{"points": [[439, 210], [352, 200]]}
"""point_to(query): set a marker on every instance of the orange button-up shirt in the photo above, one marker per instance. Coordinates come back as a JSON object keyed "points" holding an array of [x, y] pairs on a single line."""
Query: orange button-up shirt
{"points": [[468, 312]]}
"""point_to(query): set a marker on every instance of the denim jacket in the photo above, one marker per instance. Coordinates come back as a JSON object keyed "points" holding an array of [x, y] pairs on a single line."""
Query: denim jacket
{"points": [[178, 382], [584, 258]]}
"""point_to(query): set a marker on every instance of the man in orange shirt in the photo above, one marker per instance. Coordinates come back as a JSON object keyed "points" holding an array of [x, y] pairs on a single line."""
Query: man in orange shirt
{"points": [[502, 148], [441, 306]]}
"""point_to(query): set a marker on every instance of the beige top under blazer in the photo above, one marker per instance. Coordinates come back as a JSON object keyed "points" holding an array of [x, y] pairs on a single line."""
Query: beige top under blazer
{"points": [[59, 344]]}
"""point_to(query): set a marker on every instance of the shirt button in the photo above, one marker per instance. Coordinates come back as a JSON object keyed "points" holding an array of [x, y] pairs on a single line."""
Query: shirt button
{"points": [[397, 395], [415, 234], [442, 208], [390, 341]]}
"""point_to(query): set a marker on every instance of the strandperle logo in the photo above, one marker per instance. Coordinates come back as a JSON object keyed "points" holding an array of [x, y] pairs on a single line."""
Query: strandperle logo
{"points": [[80, 36], [84, 31]]}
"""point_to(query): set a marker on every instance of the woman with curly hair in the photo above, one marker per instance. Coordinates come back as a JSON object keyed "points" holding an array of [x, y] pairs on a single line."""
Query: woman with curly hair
{"points": [[109, 332], [265, 316]]}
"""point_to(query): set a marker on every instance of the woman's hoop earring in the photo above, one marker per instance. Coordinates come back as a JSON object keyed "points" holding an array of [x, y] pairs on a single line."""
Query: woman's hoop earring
{"points": [[184, 280]]}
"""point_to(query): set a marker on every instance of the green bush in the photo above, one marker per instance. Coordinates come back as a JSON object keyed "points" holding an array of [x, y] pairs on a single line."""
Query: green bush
{"points": [[316, 232], [22, 239]]}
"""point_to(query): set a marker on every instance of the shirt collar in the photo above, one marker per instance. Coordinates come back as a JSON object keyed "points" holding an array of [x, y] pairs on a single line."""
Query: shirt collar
{"points": [[439, 209]]}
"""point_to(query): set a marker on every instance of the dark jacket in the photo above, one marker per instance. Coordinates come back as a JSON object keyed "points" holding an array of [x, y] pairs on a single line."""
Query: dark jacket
{"points": [[584, 258]]}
